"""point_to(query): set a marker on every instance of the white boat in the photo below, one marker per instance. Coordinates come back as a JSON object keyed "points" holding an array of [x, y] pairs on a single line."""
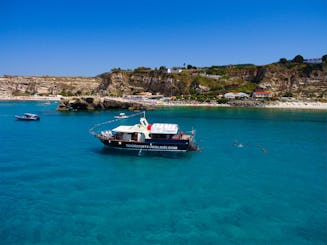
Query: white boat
{"points": [[121, 116], [28, 117], [157, 137]]}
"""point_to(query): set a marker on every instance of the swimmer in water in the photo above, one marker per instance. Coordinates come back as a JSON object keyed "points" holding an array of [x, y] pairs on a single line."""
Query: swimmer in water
{"points": [[235, 142]]}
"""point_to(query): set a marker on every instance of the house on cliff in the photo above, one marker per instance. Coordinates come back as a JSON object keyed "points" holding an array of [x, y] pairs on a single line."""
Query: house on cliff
{"points": [[173, 70]]}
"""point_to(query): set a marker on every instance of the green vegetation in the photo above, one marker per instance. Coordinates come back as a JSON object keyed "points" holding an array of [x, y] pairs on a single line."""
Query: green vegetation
{"points": [[288, 94], [20, 93], [324, 59], [142, 69], [283, 61], [191, 67], [310, 68], [67, 93], [246, 66], [209, 83], [247, 87], [216, 70], [298, 59], [116, 69]]}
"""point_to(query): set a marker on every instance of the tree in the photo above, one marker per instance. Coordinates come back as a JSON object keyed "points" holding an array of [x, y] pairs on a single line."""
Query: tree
{"points": [[191, 67], [194, 86], [298, 59], [324, 59], [282, 61], [115, 69]]}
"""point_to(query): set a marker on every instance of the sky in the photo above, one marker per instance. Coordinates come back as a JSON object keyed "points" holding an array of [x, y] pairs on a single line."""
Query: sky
{"points": [[87, 38]]}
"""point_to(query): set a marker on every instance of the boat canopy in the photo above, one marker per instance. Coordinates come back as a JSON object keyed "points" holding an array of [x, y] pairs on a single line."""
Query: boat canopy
{"points": [[30, 115], [128, 129], [164, 128]]}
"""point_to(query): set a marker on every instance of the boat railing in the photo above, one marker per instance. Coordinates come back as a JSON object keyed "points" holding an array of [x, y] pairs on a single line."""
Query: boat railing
{"points": [[95, 127]]}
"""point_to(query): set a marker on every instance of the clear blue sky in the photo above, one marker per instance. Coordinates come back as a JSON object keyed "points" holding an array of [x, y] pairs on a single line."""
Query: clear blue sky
{"points": [[68, 37]]}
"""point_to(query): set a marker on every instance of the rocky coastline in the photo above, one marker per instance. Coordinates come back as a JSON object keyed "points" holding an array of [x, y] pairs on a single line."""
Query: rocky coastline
{"points": [[118, 103], [97, 103], [299, 80], [90, 103], [304, 83]]}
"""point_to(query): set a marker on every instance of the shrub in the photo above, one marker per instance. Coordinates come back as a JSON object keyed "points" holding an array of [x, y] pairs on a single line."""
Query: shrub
{"points": [[298, 59], [288, 94], [283, 61], [324, 59]]}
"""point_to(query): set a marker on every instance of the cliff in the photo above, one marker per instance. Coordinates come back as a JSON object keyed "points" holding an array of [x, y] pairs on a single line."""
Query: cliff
{"points": [[298, 80], [47, 85]]}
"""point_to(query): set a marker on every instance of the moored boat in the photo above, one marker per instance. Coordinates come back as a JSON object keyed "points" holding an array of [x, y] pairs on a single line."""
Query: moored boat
{"points": [[121, 115], [28, 117], [156, 137]]}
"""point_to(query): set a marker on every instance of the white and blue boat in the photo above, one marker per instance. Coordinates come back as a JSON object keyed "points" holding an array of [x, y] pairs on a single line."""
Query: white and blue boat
{"points": [[156, 137], [121, 115], [28, 117]]}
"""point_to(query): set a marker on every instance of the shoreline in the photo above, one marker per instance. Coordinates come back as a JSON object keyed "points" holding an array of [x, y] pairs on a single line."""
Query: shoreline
{"points": [[270, 105], [298, 105], [280, 105], [29, 98]]}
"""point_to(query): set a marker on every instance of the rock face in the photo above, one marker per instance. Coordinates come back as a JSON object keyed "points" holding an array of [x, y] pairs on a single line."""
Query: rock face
{"points": [[97, 103], [300, 80], [47, 85], [119, 83]]}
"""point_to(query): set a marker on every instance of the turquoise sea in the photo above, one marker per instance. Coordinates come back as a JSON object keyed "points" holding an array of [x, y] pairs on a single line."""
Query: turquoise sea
{"points": [[260, 178]]}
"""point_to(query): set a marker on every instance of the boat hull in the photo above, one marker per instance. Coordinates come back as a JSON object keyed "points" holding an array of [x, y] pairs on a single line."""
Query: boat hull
{"points": [[27, 119], [182, 146]]}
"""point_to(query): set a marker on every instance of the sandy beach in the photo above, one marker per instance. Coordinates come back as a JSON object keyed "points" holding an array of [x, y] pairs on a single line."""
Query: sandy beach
{"points": [[298, 105], [273, 105]]}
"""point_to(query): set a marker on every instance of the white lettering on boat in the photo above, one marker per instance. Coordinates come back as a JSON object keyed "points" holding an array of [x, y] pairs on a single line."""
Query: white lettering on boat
{"points": [[161, 147]]}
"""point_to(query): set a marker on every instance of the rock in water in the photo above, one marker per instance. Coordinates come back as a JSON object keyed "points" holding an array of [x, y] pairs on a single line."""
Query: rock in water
{"points": [[97, 103]]}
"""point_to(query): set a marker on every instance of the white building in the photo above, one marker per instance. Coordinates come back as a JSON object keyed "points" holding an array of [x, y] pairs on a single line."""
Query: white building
{"points": [[174, 70], [262, 94], [235, 95]]}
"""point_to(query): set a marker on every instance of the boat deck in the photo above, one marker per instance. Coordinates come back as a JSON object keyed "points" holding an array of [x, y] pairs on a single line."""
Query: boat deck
{"points": [[103, 137]]}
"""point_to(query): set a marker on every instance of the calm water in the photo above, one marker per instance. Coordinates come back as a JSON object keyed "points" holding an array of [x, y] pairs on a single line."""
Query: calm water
{"points": [[58, 184]]}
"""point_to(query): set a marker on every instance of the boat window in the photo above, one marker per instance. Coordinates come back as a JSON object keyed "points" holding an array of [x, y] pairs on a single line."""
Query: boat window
{"points": [[161, 136], [127, 136], [140, 137]]}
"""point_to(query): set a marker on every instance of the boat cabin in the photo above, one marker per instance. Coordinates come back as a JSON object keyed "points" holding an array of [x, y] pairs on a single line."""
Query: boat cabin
{"points": [[144, 131]]}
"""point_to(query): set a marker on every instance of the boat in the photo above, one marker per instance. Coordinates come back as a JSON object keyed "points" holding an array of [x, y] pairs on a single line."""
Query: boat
{"points": [[121, 116], [28, 117], [156, 137]]}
